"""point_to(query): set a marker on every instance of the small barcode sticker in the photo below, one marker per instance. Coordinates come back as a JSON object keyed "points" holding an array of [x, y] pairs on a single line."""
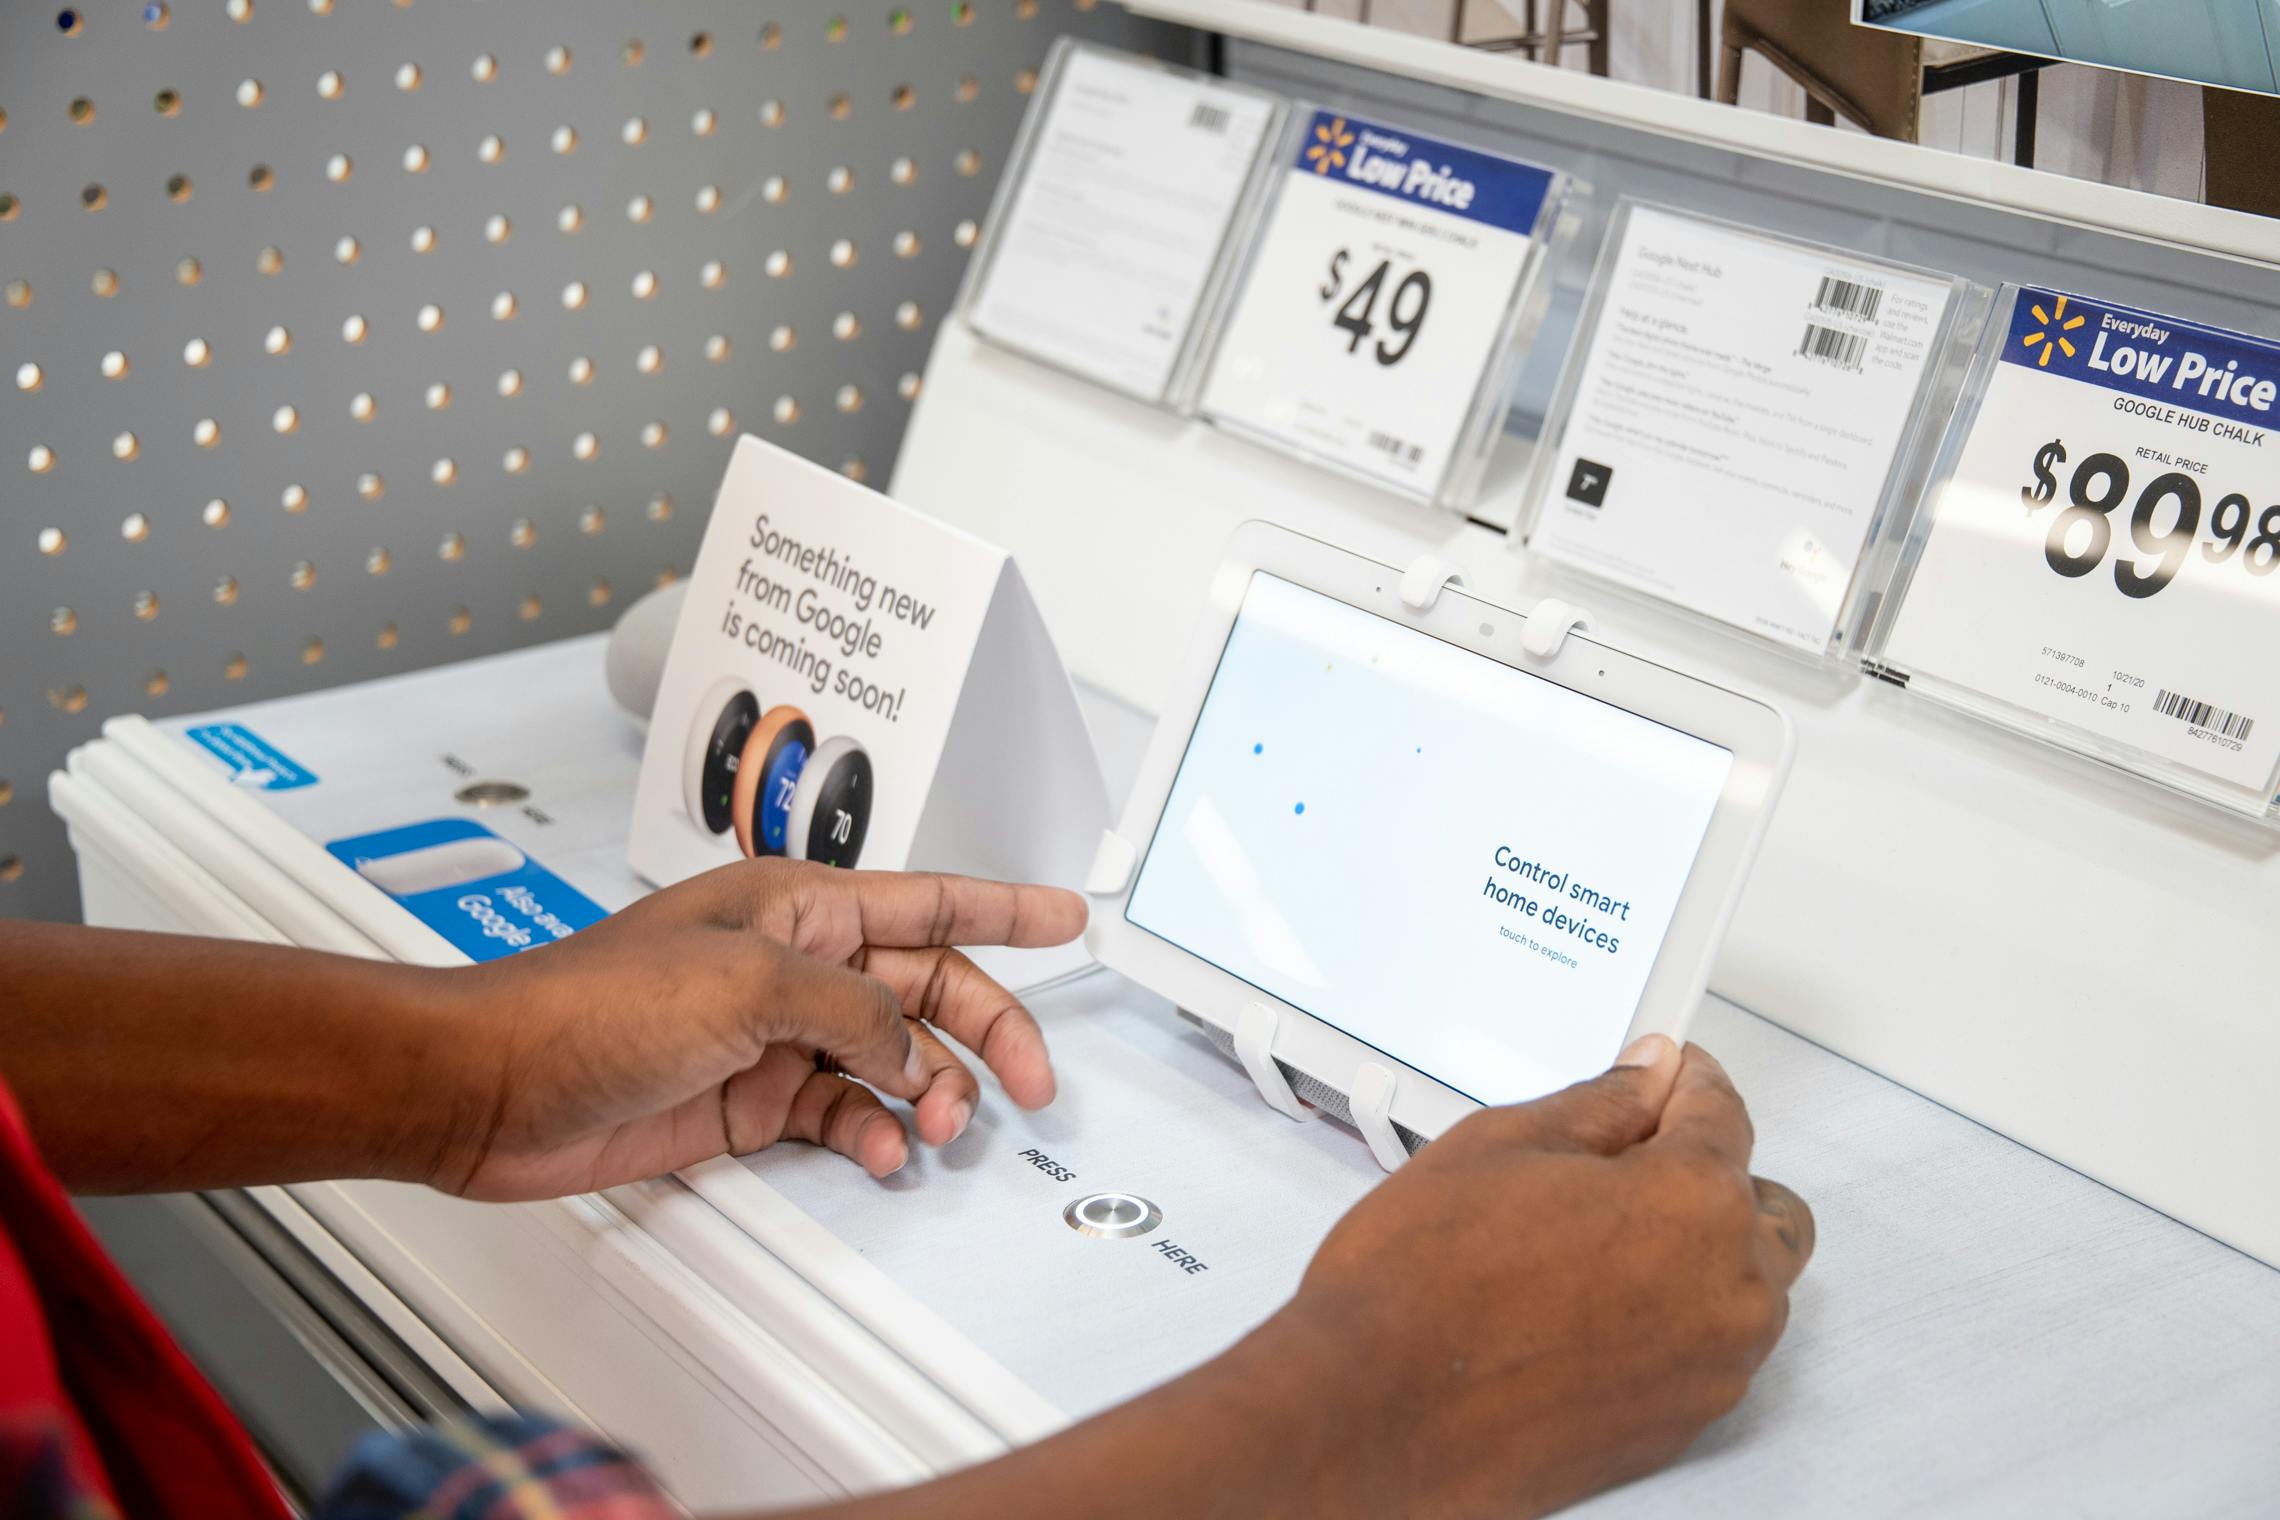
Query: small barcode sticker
{"points": [[1849, 298], [1207, 117], [2198, 714], [1833, 345], [1396, 448]]}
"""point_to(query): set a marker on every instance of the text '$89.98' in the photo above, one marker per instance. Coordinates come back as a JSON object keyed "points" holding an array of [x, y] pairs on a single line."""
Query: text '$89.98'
{"points": [[1405, 308], [2083, 530]]}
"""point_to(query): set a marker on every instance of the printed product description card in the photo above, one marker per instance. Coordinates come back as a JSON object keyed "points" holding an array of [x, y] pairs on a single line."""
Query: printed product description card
{"points": [[1107, 243], [2104, 551], [1736, 420]]}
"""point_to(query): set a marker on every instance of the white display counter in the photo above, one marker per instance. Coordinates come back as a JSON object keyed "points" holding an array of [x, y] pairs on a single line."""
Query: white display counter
{"points": [[1983, 1330]]}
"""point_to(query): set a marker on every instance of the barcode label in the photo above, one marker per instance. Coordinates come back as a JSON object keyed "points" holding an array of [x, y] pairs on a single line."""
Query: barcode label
{"points": [[1396, 448], [1849, 298], [1833, 345], [2198, 714], [1207, 117]]}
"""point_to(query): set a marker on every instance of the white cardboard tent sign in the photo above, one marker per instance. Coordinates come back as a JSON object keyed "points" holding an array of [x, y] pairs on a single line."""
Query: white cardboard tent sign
{"points": [[855, 682]]}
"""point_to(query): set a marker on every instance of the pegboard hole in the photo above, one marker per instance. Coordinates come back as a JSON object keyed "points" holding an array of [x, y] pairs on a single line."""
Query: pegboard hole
{"points": [[146, 605], [840, 106], [423, 240], [778, 265], [835, 30], [94, 197], [259, 178], [843, 253], [12, 868], [53, 541], [188, 271], [329, 85], [712, 274], [250, 93], [485, 68], [854, 469], [226, 591], [708, 199], [850, 398], [496, 228], [902, 171], [40, 459], [787, 410], [846, 327], [569, 219], [522, 533], [840, 180], [444, 471], [528, 609], [634, 51], [564, 140], [428, 319], [644, 285], [558, 59], [156, 684], [598, 594], [969, 89], [653, 435], [104, 282], [965, 234], [438, 396], [125, 446], [906, 244], [639, 209], [408, 77], [134, 527], [216, 513], [156, 15], [581, 370], [908, 315], [717, 348], [167, 102], [17, 293], [968, 162], [313, 651], [905, 97], [29, 377], [178, 188], [361, 408], [584, 447], [701, 45], [491, 149], [415, 159], [961, 14], [69, 22], [205, 432], [347, 251], [339, 167], [277, 341], [63, 622], [783, 338], [908, 386], [238, 10], [386, 637], [379, 562], [648, 361], [771, 113], [452, 547], [660, 508], [303, 575], [197, 353], [703, 122], [81, 111], [459, 622], [353, 328], [772, 189], [1024, 81], [721, 423], [371, 486], [516, 460], [70, 699], [294, 499], [234, 668], [504, 305], [510, 382], [7, 792], [573, 298], [591, 521], [635, 132]]}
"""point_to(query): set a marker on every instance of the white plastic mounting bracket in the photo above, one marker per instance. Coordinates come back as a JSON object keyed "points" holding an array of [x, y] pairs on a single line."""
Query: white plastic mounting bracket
{"points": [[1549, 623], [1371, 1102], [1422, 582], [1111, 866], [1254, 1047]]}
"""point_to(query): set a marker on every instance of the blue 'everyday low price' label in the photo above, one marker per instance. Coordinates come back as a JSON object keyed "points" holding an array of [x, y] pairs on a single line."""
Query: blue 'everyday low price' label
{"points": [[472, 887], [253, 761]]}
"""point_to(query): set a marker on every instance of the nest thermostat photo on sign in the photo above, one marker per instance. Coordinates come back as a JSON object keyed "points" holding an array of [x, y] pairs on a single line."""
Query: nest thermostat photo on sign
{"points": [[831, 804], [758, 773]]}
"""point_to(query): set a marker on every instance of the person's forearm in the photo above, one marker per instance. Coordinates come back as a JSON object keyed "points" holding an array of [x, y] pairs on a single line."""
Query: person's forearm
{"points": [[148, 1062], [1288, 1422]]}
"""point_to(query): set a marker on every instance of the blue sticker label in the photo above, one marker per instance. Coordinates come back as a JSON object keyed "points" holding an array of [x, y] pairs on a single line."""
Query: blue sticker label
{"points": [[253, 762], [2156, 358], [1425, 171], [472, 887]]}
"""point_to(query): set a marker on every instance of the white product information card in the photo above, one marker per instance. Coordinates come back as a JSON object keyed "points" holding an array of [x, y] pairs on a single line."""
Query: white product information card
{"points": [[1103, 252], [1736, 421], [1381, 300], [856, 684], [2103, 552]]}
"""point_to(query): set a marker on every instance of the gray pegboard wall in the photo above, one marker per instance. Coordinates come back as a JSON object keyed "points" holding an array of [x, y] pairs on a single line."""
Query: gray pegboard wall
{"points": [[342, 337]]}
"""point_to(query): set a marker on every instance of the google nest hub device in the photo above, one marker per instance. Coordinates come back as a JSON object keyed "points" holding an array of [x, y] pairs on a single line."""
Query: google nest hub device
{"points": [[1422, 851]]}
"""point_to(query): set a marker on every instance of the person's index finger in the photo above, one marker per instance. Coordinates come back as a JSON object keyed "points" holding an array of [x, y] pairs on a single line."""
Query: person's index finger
{"points": [[1705, 1112], [920, 908]]}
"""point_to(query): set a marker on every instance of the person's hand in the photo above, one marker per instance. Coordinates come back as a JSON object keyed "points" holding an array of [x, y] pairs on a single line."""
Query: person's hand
{"points": [[1555, 1297], [695, 1023]]}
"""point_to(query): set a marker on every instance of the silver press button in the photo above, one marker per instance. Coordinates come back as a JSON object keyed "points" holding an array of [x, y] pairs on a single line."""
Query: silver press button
{"points": [[1112, 1216]]}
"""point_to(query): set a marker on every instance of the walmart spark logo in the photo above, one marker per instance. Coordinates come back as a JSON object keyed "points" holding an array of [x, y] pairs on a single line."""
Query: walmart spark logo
{"points": [[1328, 150], [2056, 324]]}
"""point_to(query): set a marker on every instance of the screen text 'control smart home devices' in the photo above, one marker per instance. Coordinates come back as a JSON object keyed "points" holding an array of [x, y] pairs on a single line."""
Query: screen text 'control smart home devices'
{"points": [[1423, 847]]}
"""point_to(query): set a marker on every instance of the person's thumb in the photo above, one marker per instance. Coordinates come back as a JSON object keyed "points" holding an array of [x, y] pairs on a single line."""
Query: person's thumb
{"points": [[1606, 1114]]}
